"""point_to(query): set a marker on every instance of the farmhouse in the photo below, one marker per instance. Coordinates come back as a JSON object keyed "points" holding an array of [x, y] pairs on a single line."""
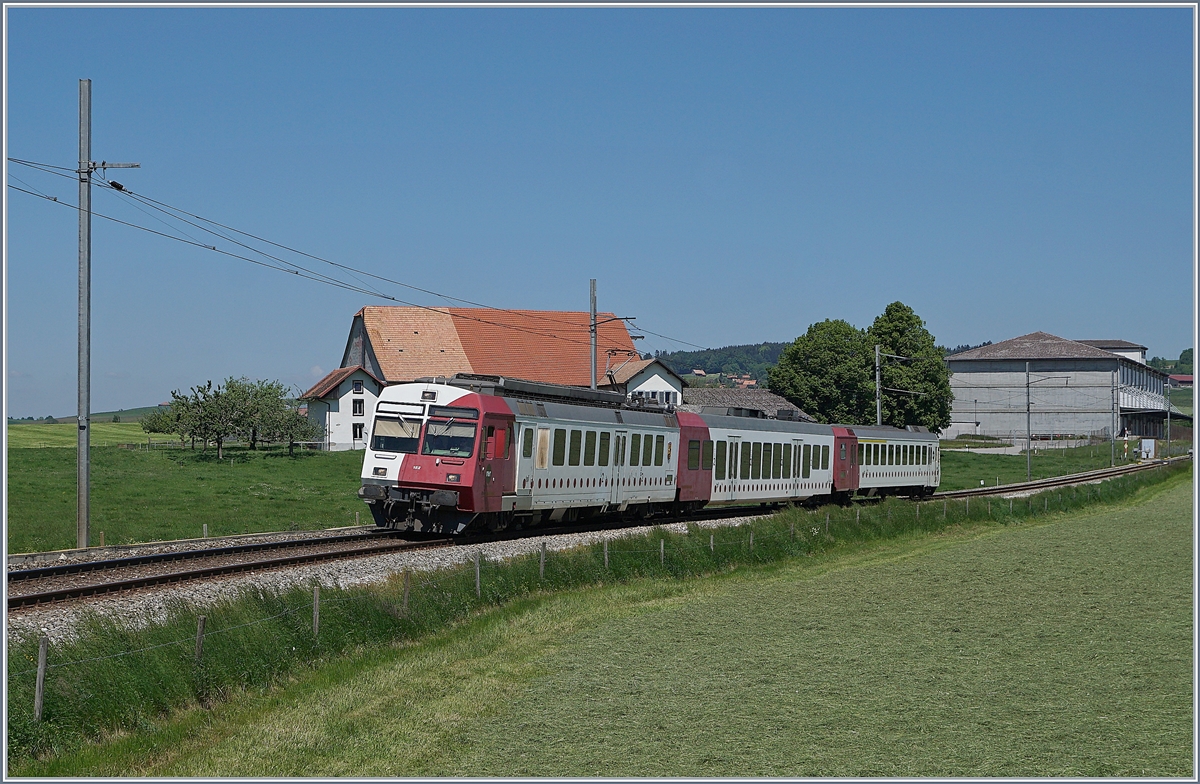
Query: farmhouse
{"points": [[1076, 389], [394, 345]]}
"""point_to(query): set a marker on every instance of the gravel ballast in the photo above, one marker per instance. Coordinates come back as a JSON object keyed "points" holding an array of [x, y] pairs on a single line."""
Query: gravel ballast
{"points": [[140, 608]]}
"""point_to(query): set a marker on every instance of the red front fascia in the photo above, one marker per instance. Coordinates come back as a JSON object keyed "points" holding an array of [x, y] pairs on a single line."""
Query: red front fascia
{"points": [[694, 485], [845, 469], [482, 479]]}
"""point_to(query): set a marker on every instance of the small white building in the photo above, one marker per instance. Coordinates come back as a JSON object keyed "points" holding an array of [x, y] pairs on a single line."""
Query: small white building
{"points": [[342, 403], [646, 378]]}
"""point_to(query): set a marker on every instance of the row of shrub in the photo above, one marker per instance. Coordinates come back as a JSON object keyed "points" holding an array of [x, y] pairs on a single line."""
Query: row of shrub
{"points": [[113, 677]]}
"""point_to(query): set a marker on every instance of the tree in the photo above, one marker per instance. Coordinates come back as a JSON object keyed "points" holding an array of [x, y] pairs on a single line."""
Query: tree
{"points": [[163, 420], [917, 389], [256, 406], [292, 426], [825, 372]]}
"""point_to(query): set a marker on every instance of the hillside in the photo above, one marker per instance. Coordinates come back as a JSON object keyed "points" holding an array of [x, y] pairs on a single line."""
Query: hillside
{"points": [[125, 414], [755, 359]]}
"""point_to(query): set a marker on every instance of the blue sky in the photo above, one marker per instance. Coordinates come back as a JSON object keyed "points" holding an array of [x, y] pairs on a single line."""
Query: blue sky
{"points": [[728, 175]]}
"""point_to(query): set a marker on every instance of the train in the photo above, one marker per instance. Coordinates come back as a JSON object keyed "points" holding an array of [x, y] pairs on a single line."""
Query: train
{"points": [[475, 453]]}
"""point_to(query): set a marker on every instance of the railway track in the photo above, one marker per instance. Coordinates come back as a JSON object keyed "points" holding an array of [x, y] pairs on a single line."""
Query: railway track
{"points": [[32, 587], [1057, 481]]}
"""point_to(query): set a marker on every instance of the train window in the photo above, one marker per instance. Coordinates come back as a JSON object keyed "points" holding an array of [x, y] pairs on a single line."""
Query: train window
{"points": [[744, 459], [693, 455], [543, 448], [396, 435], [527, 443], [560, 446], [589, 448], [453, 412], [720, 466], [766, 461], [756, 460], [825, 457], [891, 450], [806, 462], [509, 434], [777, 461], [576, 446], [489, 442], [842, 452], [647, 449], [706, 456], [787, 461], [862, 452], [449, 439], [620, 458], [635, 448], [658, 450], [604, 442]]}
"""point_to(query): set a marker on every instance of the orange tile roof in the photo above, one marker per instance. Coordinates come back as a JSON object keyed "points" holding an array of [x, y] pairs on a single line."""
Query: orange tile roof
{"points": [[331, 381], [537, 345]]}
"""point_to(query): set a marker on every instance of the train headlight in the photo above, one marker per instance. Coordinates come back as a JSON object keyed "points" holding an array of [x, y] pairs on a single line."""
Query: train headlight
{"points": [[453, 477], [380, 471]]}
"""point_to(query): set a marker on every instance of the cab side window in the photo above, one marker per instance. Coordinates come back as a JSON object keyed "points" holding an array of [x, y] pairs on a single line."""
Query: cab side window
{"points": [[693, 462], [527, 443], [706, 456]]}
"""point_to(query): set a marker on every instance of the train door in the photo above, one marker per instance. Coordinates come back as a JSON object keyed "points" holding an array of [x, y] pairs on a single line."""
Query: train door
{"points": [[845, 459], [615, 496], [525, 466], [495, 460], [797, 447], [735, 462]]}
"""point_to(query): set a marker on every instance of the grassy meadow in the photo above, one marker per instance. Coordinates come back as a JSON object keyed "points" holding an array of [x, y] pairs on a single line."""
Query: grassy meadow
{"points": [[66, 434], [961, 470], [994, 643], [140, 496]]}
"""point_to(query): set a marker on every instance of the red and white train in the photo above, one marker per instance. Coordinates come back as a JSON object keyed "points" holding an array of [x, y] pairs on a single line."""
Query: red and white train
{"points": [[486, 453]]}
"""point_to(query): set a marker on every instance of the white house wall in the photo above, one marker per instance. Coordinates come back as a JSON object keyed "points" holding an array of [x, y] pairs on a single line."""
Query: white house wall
{"points": [[335, 412]]}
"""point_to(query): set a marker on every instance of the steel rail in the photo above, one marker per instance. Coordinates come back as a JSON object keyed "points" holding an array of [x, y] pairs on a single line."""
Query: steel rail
{"points": [[1057, 481], [79, 592], [18, 575]]}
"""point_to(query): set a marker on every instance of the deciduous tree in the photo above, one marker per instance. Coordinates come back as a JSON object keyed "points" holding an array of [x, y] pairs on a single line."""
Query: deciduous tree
{"points": [[916, 389], [826, 373]]}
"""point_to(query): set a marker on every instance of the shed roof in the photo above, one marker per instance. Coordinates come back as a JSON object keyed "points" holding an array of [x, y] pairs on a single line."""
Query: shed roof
{"points": [[537, 345], [764, 400], [1035, 345], [1113, 345], [626, 371]]}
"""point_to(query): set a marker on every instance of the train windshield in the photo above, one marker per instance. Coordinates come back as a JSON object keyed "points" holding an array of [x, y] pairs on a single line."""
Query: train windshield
{"points": [[449, 438], [396, 434]]}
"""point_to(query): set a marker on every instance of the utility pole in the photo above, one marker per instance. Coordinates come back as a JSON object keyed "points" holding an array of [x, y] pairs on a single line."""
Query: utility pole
{"points": [[878, 393], [1112, 450], [1028, 431], [593, 331], [84, 409], [1167, 386]]}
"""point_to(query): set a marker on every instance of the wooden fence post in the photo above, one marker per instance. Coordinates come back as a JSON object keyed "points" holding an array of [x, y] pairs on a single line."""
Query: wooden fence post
{"points": [[1010, 506], [943, 510], [39, 691], [206, 530], [827, 520], [857, 516], [751, 541], [918, 510], [968, 506], [792, 531], [662, 551], [407, 584], [356, 518], [606, 554], [478, 593], [316, 609], [542, 563], [712, 547], [101, 538], [199, 637]]}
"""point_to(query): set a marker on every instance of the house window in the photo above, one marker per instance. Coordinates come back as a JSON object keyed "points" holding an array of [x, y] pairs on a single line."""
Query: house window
{"points": [[358, 409], [358, 431], [358, 387]]}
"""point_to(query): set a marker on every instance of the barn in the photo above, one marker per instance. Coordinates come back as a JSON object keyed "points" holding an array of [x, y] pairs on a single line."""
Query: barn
{"points": [[1077, 389], [394, 345]]}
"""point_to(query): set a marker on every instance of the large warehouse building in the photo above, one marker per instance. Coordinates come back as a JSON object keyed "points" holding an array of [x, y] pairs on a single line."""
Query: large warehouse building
{"points": [[1076, 389]]}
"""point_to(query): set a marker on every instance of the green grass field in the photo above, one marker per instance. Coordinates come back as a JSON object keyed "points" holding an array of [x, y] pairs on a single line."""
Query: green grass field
{"points": [[140, 496], [961, 470], [1182, 399], [1058, 647], [66, 435]]}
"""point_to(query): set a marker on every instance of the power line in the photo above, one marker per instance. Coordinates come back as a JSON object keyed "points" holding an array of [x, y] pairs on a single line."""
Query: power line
{"points": [[169, 209], [308, 275]]}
